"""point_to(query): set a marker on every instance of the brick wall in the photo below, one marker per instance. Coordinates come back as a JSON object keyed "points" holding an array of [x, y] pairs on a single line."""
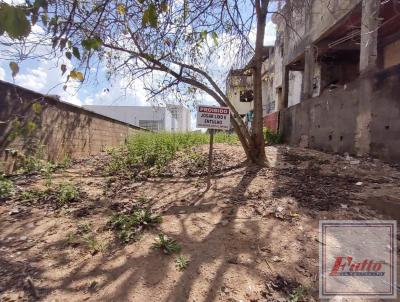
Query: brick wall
{"points": [[271, 121], [29, 119]]}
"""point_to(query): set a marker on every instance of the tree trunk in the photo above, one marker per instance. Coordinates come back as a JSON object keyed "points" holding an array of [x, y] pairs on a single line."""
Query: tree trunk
{"points": [[257, 145]]}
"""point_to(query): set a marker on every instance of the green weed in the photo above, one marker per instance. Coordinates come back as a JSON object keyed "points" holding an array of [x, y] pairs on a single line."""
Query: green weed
{"points": [[83, 228], [272, 138], [92, 244], [6, 187], [157, 149], [72, 238], [66, 192], [65, 163], [298, 294], [142, 200], [181, 263], [31, 195], [128, 226], [166, 244], [84, 236]]}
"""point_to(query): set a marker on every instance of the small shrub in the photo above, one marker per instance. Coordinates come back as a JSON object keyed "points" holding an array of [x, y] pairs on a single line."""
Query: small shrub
{"points": [[31, 195], [46, 171], [72, 238], [166, 244], [143, 200], [65, 163], [272, 138], [298, 294], [83, 228], [118, 162], [66, 193], [128, 226], [84, 236], [92, 244], [227, 138], [181, 263], [6, 187]]}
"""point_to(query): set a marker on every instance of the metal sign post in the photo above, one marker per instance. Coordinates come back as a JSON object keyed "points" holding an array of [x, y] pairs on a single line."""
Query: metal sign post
{"points": [[212, 118], [210, 158]]}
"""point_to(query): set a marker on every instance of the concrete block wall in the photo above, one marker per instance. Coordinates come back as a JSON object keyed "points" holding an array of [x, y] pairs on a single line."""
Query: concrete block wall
{"points": [[331, 122], [61, 129]]}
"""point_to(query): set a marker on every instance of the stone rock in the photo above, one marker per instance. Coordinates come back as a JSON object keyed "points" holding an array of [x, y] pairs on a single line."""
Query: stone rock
{"points": [[224, 222], [14, 211], [276, 259]]}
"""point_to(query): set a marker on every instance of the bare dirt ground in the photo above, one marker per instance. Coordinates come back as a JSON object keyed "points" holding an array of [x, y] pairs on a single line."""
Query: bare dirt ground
{"points": [[252, 237]]}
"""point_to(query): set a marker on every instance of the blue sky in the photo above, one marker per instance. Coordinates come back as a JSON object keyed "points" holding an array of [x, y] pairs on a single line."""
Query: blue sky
{"points": [[45, 76]]}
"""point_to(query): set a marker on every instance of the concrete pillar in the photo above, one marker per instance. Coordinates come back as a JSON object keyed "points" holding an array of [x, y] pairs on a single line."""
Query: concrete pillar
{"points": [[368, 63], [309, 63], [283, 102], [369, 35]]}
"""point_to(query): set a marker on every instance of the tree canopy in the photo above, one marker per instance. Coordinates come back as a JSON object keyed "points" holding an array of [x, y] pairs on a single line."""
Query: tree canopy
{"points": [[175, 43]]}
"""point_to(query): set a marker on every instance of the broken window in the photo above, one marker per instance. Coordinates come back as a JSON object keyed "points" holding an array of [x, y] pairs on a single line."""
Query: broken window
{"points": [[246, 96]]}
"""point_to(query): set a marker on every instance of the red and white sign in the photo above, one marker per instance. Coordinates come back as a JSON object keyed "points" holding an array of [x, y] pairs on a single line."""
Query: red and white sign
{"points": [[212, 117]]}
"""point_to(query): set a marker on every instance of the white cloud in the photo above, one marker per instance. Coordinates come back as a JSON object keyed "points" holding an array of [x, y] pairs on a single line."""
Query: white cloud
{"points": [[46, 78], [2, 74], [119, 94], [35, 79], [270, 33], [14, 2]]}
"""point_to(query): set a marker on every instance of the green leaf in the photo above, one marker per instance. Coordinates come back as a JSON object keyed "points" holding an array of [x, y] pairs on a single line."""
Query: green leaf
{"points": [[164, 6], [94, 43], [13, 21], [68, 54], [63, 43], [150, 16], [37, 108], [215, 38], [149, 57], [203, 35], [45, 19], [30, 126], [53, 21], [121, 9], [63, 68], [35, 15], [75, 52], [76, 75], [14, 68]]}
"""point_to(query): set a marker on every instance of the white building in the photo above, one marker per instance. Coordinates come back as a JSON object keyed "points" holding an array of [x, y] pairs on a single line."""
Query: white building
{"points": [[239, 88], [181, 118], [149, 117]]}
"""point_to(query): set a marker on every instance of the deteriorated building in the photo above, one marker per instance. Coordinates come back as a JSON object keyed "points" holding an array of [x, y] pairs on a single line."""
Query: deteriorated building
{"points": [[333, 79]]}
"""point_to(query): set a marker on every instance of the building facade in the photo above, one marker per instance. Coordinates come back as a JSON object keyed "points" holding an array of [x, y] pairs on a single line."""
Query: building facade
{"points": [[173, 118], [181, 118], [332, 80]]}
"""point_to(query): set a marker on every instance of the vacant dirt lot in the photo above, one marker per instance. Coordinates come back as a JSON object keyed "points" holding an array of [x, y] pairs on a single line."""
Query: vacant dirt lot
{"points": [[252, 237]]}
